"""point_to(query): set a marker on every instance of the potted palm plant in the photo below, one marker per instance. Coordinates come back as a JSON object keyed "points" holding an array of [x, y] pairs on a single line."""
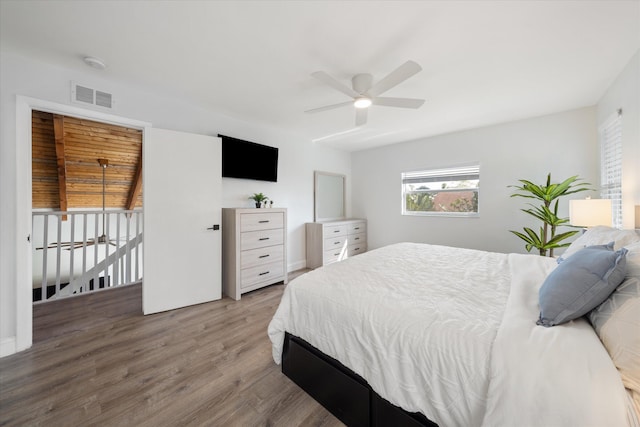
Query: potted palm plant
{"points": [[546, 240], [258, 198]]}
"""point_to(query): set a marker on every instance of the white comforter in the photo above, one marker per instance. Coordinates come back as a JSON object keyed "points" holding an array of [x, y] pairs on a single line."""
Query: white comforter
{"points": [[451, 333]]}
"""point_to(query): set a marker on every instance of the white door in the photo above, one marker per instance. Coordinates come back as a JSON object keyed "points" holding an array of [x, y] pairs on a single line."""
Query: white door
{"points": [[182, 197]]}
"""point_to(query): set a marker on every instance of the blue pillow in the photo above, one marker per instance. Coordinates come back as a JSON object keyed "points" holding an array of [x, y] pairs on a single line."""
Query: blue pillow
{"points": [[581, 283]]}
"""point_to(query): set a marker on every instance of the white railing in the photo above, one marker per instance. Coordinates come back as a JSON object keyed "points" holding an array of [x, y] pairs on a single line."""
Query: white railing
{"points": [[84, 251]]}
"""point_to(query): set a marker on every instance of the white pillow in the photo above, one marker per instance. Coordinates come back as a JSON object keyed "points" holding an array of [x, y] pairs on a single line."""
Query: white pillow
{"points": [[602, 235], [617, 323]]}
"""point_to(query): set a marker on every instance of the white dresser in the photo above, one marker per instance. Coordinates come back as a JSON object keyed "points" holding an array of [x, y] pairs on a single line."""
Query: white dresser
{"points": [[254, 249], [331, 241]]}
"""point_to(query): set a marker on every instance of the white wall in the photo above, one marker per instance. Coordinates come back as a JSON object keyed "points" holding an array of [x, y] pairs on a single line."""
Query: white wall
{"points": [[298, 159], [564, 144], [625, 93]]}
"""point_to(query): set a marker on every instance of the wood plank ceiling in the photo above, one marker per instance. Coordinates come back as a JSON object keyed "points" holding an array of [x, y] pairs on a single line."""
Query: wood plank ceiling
{"points": [[66, 171]]}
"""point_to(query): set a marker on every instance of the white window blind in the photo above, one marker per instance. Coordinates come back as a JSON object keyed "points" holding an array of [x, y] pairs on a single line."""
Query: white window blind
{"points": [[444, 191], [611, 165]]}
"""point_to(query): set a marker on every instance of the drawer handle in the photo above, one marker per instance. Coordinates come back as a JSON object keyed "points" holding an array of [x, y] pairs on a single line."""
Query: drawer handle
{"points": [[263, 256], [336, 231], [356, 249], [336, 254], [263, 238], [336, 243], [262, 274], [263, 221], [357, 238], [357, 228]]}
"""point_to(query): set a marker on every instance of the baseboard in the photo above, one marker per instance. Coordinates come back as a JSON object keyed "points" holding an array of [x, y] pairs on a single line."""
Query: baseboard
{"points": [[7, 346]]}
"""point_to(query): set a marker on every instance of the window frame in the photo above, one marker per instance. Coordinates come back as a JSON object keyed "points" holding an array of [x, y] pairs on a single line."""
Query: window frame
{"points": [[433, 173], [610, 144]]}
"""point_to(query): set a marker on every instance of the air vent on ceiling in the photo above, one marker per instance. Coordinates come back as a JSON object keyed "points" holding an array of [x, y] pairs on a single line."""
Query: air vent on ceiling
{"points": [[82, 94]]}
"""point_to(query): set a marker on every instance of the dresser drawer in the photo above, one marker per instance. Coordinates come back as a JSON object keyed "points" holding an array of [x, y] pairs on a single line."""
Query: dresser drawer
{"points": [[262, 273], [261, 239], [335, 230], [261, 256], [337, 242], [261, 221], [357, 227], [360, 238], [356, 249], [334, 255]]}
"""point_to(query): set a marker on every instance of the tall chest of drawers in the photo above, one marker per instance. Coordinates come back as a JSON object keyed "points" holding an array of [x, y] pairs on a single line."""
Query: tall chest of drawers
{"points": [[333, 241], [254, 249]]}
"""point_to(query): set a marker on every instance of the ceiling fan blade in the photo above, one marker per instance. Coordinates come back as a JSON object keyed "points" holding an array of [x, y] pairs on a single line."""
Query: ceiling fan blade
{"points": [[361, 116], [326, 78], [329, 107], [55, 245], [394, 78], [398, 102], [90, 242]]}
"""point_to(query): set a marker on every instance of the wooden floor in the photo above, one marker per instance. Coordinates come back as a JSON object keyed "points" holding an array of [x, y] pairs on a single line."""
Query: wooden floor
{"points": [[96, 360]]}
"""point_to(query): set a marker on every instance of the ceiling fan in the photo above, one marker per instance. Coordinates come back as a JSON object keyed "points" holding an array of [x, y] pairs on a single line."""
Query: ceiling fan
{"points": [[97, 240], [365, 93]]}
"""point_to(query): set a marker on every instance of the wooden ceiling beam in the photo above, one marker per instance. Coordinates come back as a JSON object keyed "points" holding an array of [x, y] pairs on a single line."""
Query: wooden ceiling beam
{"points": [[136, 185], [58, 132], [64, 160]]}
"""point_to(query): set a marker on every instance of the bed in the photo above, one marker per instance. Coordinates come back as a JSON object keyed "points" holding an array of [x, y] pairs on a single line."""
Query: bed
{"points": [[434, 335]]}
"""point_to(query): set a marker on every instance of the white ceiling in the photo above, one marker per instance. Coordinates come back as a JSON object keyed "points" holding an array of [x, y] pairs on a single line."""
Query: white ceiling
{"points": [[484, 62]]}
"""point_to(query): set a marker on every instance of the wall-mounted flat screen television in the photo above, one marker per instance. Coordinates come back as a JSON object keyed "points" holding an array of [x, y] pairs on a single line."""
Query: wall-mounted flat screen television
{"points": [[248, 160]]}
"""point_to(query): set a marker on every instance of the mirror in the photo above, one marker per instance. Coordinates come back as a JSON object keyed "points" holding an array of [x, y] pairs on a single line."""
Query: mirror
{"points": [[329, 196]]}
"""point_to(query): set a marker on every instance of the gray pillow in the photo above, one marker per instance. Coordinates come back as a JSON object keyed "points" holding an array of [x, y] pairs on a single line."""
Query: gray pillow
{"points": [[580, 283]]}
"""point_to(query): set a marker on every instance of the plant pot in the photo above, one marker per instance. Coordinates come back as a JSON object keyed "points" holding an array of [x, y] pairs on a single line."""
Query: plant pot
{"points": [[258, 204]]}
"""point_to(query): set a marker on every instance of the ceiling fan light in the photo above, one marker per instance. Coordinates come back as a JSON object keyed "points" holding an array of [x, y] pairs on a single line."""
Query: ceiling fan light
{"points": [[362, 102]]}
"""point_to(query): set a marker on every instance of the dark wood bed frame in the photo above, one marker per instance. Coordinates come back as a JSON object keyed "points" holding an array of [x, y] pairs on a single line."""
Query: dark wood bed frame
{"points": [[340, 390]]}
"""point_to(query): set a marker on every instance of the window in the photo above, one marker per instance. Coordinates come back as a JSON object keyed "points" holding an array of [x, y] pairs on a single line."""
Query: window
{"points": [[611, 165], [449, 191]]}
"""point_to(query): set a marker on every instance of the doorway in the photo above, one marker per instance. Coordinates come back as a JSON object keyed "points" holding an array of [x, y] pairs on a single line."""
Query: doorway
{"points": [[24, 276]]}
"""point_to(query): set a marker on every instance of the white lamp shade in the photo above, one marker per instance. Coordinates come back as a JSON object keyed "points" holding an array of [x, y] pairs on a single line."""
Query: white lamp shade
{"points": [[590, 212]]}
